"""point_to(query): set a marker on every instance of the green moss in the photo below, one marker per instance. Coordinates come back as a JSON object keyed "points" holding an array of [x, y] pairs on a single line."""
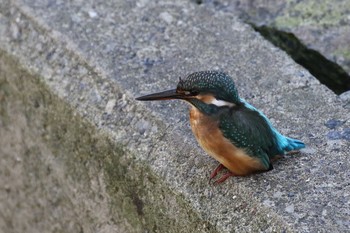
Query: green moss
{"points": [[344, 52], [138, 198], [313, 13], [4, 116]]}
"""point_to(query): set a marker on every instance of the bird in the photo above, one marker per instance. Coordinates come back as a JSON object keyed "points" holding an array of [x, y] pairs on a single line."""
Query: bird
{"points": [[236, 134]]}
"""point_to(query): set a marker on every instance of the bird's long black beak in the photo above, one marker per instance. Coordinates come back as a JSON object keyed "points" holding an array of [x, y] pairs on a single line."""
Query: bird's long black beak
{"points": [[165, 95]]}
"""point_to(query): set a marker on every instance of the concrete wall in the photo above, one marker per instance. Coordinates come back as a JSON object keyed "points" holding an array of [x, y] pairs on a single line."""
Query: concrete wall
{"points": [[78, 153]]}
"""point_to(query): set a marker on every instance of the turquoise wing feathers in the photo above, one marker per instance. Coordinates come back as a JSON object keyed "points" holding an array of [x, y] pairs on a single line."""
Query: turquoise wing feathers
{"points": [[283, 143], [249, 129], [250, 132]]}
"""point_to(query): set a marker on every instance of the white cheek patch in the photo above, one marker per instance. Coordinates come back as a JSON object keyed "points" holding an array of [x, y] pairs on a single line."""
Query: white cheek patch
{"points": [[221, 103], [210, 99]]}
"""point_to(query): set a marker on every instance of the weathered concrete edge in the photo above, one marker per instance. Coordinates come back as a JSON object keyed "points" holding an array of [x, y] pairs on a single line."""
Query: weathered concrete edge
{"points": [[129, 189], [45, 72]]}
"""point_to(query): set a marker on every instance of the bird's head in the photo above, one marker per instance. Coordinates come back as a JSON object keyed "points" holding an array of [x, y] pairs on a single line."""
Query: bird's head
{"points": [[209, 87]]}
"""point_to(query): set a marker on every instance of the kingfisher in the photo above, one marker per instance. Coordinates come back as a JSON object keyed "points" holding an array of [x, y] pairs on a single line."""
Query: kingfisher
{"points": [[236, 134]]}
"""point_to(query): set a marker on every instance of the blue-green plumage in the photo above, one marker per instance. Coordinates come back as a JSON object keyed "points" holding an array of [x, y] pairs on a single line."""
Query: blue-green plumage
{"points": [[249, 131], [213, 82], [242, 124], [217, 104]]}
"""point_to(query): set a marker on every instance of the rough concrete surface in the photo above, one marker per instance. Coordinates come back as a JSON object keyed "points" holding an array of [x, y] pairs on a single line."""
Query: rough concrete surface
{"points": [[78, 153], [321, 25]]}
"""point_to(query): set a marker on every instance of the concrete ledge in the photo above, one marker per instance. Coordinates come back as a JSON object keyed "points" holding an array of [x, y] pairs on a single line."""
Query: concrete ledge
{"points": [[60, 174], [81, 154]]}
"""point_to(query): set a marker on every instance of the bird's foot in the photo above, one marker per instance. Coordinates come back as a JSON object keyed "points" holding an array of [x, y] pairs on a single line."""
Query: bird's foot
{"points": [[223, 178], [216, 171]]}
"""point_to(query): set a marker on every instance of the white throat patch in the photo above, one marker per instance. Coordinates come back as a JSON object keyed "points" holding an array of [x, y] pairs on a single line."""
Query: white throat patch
{"points": [[221, 103], [210, 99]]}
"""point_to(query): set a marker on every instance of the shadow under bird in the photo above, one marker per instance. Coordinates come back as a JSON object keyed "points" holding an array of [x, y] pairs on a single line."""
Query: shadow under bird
{"points": [[228, 128]]}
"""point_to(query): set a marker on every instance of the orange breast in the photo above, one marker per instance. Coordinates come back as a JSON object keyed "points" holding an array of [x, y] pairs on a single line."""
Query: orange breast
{"points": [[215, 144]]}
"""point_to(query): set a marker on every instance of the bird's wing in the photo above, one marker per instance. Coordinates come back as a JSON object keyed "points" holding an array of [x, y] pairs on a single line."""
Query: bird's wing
{"points": [[248, 130]]}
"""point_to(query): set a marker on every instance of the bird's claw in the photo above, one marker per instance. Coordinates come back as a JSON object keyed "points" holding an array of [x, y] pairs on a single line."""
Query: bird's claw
{"points": [[222, 178], [216, 171]]}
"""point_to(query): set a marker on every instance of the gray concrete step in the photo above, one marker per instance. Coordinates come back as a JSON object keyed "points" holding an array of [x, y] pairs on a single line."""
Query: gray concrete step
{"points": [[90, 157]]}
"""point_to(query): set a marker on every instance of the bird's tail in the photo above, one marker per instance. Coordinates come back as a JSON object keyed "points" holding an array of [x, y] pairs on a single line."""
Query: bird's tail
{"points": [[294, 144]]}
